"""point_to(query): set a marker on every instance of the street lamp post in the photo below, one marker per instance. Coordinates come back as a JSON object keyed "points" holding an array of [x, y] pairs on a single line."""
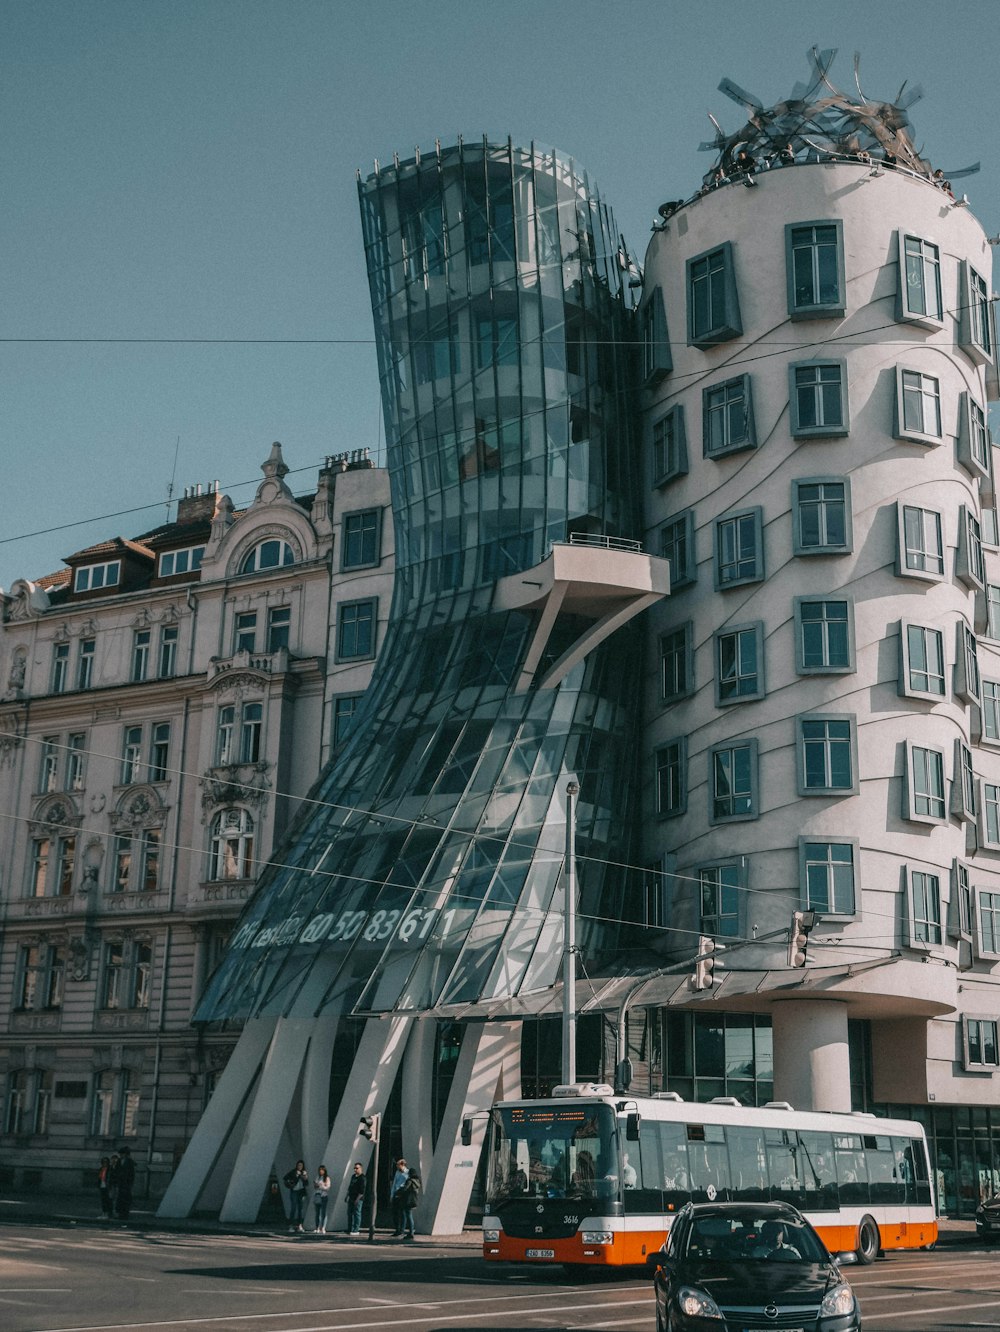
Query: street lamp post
{"points": [[569, 941]]}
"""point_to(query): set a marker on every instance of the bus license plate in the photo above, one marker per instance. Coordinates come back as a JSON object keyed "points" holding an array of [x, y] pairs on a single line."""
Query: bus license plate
{"points": [[539, 1253]]}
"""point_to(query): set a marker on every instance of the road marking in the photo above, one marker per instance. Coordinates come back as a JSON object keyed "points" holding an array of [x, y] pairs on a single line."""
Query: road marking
{"points": [[954, 1309]]}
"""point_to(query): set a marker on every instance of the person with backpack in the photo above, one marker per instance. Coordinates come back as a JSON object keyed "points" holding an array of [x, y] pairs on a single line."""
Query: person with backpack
{"points": [[296, 1181], [409, 1196]]}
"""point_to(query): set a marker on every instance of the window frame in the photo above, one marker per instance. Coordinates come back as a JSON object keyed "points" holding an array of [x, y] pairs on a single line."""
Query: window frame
{"points": [[366, 537], [245, 632], [905, 314], [801, 740], [742, 443], [975, 328], [989, 812], [279, 628], [970, 564], [678, 763], [964, 783], [967, 683], [731, 325], [342, 722], [739, 864], [243, 835], [961, 901], [827, 667], [970, 1064], [749, 746], [192, 562], [250, 562], [905, 686], [86, 655], [911, 922], [84, 576], [805, 895], [903, 570], [166, 656], [756, 628], [669, 460], [59, 676], [657, 359], [816, 309], [988, 731], [911, 795], [685, 654], [686, 573], [142, 644], [974, 440], [981, 938], [821, 503], [917, 434], [820, 430], [741, 520], [342, 608]]}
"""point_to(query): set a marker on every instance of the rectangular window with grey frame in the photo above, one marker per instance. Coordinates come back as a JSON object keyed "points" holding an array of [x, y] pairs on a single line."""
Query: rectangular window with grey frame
{"points": [[739, 549], [733, 776], [966, 664], [669, 441], [676, 663], [922, 665], [924, 786], [361, 539], [822, 515], [814, 256], [989, 816], [990, 710], [141, 639], [969, 564], [918, 406], [656, 357], [739, 662], [677, 546], [980, 1041], [818, 395], [973, 437], [974, 325], [924, 902], [919, 295], [827, 873], [721, 887], [671, 778], [993, 611], [344, 708], [727, 417], [921, 543], [824, 641], [713, 304], [826, 746], [962, 907], [963, 788]]}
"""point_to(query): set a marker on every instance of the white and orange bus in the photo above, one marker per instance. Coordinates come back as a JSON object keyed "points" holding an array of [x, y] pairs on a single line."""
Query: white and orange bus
{"points": [[594, 1177]]}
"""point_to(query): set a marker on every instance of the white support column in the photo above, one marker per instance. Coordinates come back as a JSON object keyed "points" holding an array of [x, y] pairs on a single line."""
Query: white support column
{"points": [[418, 1087], [278, 1081], [812, 1067], [488, 1068], [373, 1072], [315, 1126], [221, 1115]]}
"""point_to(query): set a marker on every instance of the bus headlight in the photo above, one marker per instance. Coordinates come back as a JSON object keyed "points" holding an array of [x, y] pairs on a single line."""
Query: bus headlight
{"points": [[697, 1304], [597, 1237], [491, 1236], [839, 1300]]}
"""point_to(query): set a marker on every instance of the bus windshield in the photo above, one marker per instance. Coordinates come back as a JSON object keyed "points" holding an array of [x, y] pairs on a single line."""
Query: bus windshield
{"points": [[555, 1151]]}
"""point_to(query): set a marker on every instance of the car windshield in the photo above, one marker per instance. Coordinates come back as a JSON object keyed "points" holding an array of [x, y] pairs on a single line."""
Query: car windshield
{"points": [[750, 1238], [554, 1151]]}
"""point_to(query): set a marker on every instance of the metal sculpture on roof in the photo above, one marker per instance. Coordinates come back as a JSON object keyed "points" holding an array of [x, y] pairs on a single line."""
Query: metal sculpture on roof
{"points": [[820, 121]]}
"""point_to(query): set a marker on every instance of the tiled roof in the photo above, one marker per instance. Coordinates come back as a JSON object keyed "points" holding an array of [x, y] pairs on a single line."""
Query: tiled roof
{"points": [[114, 546]]}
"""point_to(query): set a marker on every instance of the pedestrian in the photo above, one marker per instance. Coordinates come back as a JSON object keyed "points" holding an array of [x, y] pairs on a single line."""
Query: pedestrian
{"points": [[355, 1199], [124, 1184], [409, 1197], [297, 1183], [113, 1168], [321, 1198], [104, 1188], [400, 1179]]}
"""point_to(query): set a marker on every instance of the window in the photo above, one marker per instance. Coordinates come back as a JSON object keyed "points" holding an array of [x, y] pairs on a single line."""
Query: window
{"points": [[822, 516], [361, 539], [656, 357], [676, 663], [987, 923], [990, 710], [159, 752], [919, 282], [922, 669], [85, 663], [671, 778], [918, 406], [272, 554], [126, 974], [224, 735], [65, 864], [49, 777], [980, 1046], [826, 746], [245, 632], [961, 900], [496, 341], [921, 543], [814, 253], [989, 828], [923, 785], [51, 866], [94, 576], [122, 864], [75, 761], [344, 708], [727, 417], [173, 562], [669, 447], [733, 776], [60, 667], [713, 303], [101, 1107], [38, 881], [142, 963], [39, 978], [17, 1100], [129, 1107], [251, 726], [973, 438], [168, 652], [720, 888], [739, 549], [131, 754], [677, 546], [43, 1102], [739, 661], [279, 625], [974, 336], [923, 903], [139, 852], [993, 611], [356, 626], [966, 665], [140, 654], [818, 394], [827, 876], [111, 985], [437, 353], [824, 638], [963, 787], [969, 566], [232, 845]]}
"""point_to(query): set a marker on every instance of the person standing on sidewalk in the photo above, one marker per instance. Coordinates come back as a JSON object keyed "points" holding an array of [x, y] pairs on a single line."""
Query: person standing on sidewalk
{"points": [[104, 1188], [125, 1184], [355, 1199], [409, 1196], [400, 1179], [296, 1181], [321, 1198]]}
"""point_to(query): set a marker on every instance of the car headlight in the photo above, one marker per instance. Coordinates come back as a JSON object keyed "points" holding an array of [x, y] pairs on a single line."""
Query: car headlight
{"points": [[597, 1237], [839, 1300], [696, 1304], [491, 1236]]}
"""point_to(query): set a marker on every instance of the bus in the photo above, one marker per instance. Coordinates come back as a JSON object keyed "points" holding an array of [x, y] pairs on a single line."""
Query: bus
{"points": [[594, 1177]]}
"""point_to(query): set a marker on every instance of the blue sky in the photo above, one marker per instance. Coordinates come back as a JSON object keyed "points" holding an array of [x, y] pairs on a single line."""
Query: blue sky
{"points": [[178, 169]]}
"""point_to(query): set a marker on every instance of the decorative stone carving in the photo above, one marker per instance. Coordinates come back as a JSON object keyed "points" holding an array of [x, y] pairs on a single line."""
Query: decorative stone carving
{"points": [[140, 807], [55, 817], [79, 958], [10, 737], [15, 679], [26, 601], [235, 784]]}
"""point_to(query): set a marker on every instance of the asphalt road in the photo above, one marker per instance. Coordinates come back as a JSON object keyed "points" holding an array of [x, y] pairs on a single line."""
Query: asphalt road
{"points": [[86, 1277]]}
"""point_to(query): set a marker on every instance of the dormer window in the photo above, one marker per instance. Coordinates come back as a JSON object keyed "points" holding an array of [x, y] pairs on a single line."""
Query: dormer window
{"points": [[184, 561], [90, 577], [268, 555]]}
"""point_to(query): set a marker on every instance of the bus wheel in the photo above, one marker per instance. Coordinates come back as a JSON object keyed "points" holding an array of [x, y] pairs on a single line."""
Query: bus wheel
{"points": [[869, 1241]]}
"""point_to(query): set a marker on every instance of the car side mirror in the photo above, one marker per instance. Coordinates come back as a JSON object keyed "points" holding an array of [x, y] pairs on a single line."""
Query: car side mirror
{"points": [[845, 1259], [632, 1127], [656, 1260]]}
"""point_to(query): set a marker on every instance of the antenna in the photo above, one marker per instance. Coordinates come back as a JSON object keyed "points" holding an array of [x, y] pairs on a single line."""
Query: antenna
{"points": [[173, 475]]}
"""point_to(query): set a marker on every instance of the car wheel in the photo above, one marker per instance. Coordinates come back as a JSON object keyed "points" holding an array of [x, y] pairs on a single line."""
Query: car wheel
{"points": [[869, 1241]]}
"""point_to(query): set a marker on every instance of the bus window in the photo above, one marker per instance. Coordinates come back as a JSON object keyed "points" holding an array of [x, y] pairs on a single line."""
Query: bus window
{"points": [[918, 1159], [676, 1170], [852, 1169], [645, 1155], [707, 1162], [783, 1166], [903, 1171], [819, 1173], [747, 1164], [885, 1186]]}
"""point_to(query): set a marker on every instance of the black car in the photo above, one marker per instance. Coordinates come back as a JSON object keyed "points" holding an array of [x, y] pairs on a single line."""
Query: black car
{"points": [[988, 1218], [749, 1267]]}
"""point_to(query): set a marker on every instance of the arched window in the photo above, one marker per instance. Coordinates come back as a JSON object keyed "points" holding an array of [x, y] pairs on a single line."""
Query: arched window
{"points": [[232, 845], [270, 554]]}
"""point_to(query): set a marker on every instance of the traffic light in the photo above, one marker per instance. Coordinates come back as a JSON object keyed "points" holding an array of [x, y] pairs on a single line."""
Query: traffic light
{"points": [[798, 937], [369, 1127], [704, 964]]}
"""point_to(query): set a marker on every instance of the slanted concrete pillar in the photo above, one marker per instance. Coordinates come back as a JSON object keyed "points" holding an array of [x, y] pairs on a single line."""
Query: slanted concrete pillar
{"points": [[812, 1067]]}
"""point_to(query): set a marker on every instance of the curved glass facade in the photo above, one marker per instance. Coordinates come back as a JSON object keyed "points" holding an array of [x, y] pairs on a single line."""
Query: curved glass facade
{"points": [[423, 872]]}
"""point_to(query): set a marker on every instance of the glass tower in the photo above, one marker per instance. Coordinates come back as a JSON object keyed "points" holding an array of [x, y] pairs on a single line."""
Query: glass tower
{"points": [[424, 870]]}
